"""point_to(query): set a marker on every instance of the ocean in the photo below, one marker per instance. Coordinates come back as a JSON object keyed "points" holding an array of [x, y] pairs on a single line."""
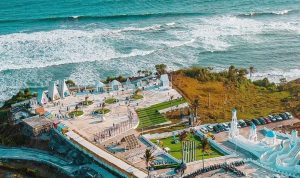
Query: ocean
{"points": [[84, 40]]}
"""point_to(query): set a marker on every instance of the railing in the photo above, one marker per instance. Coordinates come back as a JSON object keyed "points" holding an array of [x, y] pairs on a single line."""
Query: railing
{"points": [[115, 130], [213, 159]]}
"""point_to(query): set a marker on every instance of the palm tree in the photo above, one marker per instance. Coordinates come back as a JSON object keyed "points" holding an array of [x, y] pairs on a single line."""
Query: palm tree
{"points": [[183, 136], [171, 101], [204, 146], [195, 106], [182, 168], [251, 71], [149, 157]]}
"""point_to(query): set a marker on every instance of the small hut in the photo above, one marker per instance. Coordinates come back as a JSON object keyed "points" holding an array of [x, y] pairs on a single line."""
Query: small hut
{"points": [[63, 89], [115, 85], [99, 86], [164, 80]]}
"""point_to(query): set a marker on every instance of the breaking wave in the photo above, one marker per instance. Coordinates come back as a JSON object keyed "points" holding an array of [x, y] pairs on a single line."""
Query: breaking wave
{"points": [[283, 12]]}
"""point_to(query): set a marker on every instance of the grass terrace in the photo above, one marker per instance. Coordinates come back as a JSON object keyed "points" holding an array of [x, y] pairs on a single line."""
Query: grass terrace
{"points": [[150, 116], [176, 148]]}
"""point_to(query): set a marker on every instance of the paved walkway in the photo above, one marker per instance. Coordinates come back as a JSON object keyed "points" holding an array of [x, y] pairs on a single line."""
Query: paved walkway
{"points": [[183, 105], [106, 156]]}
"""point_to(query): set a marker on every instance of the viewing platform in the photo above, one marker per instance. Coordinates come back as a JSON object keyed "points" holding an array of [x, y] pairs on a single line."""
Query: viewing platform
{"points": [[112, 160]]}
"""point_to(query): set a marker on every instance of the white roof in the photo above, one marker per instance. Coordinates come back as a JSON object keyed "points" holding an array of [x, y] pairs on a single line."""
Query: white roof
{"points": [[115, 82], [164, 77], [128, 82], [99, 84]]}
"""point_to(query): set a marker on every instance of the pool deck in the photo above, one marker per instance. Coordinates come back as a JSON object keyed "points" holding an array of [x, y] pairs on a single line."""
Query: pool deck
{"points": [[125, 167]]}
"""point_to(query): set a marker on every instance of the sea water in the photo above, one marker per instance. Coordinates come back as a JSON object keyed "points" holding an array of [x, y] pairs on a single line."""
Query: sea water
{"points": [[84, 40]]}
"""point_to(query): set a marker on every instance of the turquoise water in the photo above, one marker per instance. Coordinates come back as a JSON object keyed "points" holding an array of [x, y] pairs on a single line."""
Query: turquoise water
{"points": [[43, 40]]}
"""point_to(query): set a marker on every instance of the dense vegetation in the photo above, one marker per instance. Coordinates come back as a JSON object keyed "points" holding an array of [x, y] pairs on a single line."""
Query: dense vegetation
{"points": [[19, 97], [119, 78], [219, 92]]}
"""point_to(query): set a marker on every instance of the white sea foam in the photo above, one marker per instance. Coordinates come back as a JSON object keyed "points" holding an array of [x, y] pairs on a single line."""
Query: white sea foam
{"points": [[282, 12], [42, 49], [149, 28], [12, 82], [216, 33], [56, 47], [276, 74]]}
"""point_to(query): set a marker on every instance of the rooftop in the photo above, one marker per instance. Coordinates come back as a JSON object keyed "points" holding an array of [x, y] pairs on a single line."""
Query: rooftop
{"points": [[37, 121]]}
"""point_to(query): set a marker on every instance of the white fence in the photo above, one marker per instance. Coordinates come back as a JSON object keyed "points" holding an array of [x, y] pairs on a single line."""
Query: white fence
{"points": [[224, 158]]}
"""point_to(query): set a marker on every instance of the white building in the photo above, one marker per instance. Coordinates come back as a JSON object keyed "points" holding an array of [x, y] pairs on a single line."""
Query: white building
{"points": [[42, 97], [53, 92], [281, 154], [63, 89], [99, 86], [128, 84], [164, 80], [115, 85]]}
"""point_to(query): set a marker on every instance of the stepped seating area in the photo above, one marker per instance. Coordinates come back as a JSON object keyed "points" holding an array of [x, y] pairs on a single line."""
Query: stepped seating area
{"points": [[131, 141], [150, 116]]}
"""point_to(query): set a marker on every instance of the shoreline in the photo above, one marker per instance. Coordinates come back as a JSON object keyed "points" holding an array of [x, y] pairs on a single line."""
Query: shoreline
{"points": [[272, 76]]}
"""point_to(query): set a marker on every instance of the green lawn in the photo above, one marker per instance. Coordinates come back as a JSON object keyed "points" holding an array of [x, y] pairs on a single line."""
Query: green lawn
{"points": [[150, 116], [175, 149]]}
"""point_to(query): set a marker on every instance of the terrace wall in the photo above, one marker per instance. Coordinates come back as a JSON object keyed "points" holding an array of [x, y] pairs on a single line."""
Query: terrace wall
{"points": [[102, 163]]}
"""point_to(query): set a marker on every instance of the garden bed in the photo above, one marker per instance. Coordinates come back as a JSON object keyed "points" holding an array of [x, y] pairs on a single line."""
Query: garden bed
{"points": [[102, 111], [75, 113], [86, 103], [110, 100], [137, 97]]}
